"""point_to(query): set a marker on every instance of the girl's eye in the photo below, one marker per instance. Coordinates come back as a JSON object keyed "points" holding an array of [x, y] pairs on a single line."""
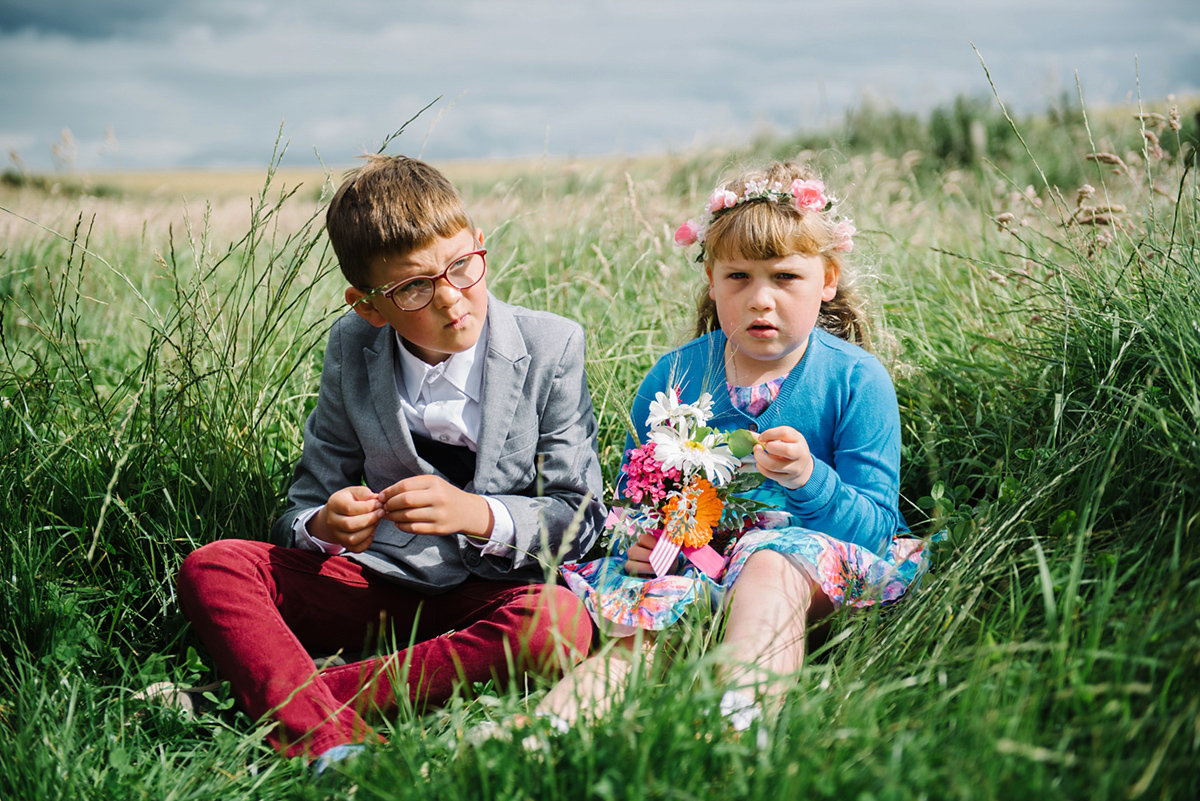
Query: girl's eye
{"points": [[736, 276]]}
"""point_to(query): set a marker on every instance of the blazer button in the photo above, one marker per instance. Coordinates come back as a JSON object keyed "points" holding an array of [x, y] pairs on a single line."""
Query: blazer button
{"points": [[471, 558]]}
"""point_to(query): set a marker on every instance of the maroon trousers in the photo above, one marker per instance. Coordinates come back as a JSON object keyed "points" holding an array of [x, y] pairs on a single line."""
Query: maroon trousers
{"points": [[260, 608]]}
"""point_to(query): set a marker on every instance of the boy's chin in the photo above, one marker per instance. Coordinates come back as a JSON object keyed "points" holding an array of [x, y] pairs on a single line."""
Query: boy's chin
{"points": [[437, 355]]}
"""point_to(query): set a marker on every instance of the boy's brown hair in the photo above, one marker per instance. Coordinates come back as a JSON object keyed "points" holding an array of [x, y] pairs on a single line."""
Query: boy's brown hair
{"points": [[391, 205]]}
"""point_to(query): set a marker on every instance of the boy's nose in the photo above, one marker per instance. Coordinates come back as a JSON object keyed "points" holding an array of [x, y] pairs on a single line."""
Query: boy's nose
{"points": [[445, 293]]}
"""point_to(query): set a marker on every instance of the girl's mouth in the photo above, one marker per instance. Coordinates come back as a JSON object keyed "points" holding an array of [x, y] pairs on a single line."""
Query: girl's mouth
{"points": [[761, 330]]}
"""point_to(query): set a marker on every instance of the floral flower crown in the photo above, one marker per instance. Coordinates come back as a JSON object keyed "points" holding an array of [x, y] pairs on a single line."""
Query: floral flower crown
{"points": [[805, 195]]}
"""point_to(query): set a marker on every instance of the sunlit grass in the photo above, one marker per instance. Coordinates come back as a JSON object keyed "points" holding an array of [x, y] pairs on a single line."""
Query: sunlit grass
{"points": [[156, 367]]}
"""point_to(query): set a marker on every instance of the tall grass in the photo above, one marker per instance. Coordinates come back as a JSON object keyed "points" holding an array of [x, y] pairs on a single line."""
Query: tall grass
{"points": [[152, 390]]}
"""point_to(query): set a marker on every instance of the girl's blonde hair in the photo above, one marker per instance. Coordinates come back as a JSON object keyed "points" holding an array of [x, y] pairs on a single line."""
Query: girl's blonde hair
{"points": [[768, 229]]}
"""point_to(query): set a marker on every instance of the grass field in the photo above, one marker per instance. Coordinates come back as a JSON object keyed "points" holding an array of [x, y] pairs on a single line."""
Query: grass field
{"points": [[157, 361]]}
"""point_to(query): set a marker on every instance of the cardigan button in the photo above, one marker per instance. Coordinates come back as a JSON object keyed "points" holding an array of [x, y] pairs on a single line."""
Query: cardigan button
{"points": [[752, 427]]}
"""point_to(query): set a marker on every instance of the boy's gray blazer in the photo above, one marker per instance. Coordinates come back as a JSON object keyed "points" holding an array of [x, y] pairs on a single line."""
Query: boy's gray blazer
{"points": [[536, 449]]}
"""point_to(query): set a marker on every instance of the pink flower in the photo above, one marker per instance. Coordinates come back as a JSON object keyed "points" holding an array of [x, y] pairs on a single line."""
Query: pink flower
{"points": [[646, 479], [687, 234], [843, 236], [810, 194], [721, 199]]}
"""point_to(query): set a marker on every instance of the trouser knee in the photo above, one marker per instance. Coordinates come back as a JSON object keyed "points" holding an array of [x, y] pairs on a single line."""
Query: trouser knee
{"points": [[557, 620]]}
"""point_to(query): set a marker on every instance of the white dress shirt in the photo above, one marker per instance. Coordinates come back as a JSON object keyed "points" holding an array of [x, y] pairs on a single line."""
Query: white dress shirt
{"points": [[441, 402]]}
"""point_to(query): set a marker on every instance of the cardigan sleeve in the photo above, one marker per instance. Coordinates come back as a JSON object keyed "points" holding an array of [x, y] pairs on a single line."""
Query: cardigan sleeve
{"points": [[855, 497]]}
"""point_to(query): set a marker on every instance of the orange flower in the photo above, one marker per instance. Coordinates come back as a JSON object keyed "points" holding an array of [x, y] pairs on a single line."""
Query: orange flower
{"points": [[690, 515]]}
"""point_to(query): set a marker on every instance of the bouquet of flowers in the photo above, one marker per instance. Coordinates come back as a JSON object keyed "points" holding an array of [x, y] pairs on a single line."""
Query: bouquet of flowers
{"points": [[682, 484]]}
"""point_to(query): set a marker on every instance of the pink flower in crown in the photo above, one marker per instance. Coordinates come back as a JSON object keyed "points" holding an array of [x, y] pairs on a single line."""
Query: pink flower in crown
{"points": [[721, 199], [689, 233], [843, 235], [810, 194]]}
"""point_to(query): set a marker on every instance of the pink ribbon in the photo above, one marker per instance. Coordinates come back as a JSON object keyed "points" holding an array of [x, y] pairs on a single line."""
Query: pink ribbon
{"points": [[662, 557]]}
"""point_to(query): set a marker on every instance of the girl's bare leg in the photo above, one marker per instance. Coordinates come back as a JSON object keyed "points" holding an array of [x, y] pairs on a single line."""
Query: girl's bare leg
{"points": [[767, 620], [589, 689]]}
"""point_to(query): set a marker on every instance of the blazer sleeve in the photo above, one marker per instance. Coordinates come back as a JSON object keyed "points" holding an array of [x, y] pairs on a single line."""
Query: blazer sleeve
{"points": [[333, 455], [560, 516]]}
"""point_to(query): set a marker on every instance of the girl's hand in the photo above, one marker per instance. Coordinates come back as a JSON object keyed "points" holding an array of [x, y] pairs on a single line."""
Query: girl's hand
{"points": [[433, 506], [782, 455], [637, 559], [348, 518]]}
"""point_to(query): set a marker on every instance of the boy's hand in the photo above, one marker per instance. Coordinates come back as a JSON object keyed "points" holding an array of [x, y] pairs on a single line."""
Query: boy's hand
{"points": [[348, 518], [637, 558], [782, 455], [433, 506]]}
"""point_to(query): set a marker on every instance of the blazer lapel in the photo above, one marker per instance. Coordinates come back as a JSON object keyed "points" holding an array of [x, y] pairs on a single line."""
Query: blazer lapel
{"points": [[380, 359], [503, 384]]}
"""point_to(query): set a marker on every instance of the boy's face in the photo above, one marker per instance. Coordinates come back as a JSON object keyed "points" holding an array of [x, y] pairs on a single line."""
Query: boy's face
{"points": [[452, 321]]}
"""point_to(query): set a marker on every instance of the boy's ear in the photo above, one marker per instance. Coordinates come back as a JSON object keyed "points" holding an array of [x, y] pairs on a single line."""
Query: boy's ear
{"points": [[479, 236], [364, 305], [832, 273]]}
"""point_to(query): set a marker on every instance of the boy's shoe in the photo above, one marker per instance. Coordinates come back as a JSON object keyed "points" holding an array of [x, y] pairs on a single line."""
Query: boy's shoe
{"points": [[167, 693], [337, 755]]}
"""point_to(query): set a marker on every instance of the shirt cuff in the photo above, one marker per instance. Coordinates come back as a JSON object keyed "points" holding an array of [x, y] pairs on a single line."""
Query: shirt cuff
{"points": [[504, 531], [302, 539]]}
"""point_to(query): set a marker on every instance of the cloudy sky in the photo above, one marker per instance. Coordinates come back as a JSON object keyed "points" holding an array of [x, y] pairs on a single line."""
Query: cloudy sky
{"points": [[207, 83]]}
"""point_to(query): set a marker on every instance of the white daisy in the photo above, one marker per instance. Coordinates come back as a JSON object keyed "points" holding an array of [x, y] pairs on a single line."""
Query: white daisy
{"points": [[687, 455], [667, 410]]}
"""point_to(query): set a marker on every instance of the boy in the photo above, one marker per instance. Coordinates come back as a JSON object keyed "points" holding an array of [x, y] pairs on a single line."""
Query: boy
{"points": [[450, 457]]}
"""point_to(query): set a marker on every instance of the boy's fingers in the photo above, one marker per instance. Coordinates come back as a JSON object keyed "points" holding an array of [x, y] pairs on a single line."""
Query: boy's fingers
{"points": [[354, 524], [362, 508]]}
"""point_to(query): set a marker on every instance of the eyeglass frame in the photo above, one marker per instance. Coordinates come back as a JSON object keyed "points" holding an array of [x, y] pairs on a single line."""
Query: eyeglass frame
{"points": [[390, 292]]}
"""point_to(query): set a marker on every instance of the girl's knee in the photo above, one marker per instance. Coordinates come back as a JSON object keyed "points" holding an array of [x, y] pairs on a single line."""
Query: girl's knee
{"points": [[767, 559]]}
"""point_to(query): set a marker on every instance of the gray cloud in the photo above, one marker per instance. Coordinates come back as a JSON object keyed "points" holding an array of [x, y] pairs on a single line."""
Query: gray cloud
{"points": [[194, 83]]}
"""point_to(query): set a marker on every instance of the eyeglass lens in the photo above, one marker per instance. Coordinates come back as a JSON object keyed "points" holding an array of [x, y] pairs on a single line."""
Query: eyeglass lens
{"points": [[462, 274]]}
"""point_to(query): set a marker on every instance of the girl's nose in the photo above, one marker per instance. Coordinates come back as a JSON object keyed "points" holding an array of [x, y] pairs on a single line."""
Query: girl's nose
{"points": [[761, 296]]}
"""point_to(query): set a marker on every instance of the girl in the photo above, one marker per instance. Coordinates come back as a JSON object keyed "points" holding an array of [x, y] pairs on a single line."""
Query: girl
{"points": [[775, 348]]}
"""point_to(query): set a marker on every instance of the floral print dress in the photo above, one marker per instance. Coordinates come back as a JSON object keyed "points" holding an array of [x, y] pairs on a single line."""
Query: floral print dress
{"points": [[848, 573]]}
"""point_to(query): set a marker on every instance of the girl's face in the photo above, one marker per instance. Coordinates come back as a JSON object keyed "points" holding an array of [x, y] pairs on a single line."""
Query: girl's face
{"points": [[768, 308]]}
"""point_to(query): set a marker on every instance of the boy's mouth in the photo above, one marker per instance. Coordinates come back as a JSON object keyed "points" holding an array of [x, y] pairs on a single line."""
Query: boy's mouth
{"points": [[458, 322]]}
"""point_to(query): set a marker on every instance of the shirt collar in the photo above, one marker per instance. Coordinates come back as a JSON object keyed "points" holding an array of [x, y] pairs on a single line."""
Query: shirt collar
{"points": [[463, 370]]}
